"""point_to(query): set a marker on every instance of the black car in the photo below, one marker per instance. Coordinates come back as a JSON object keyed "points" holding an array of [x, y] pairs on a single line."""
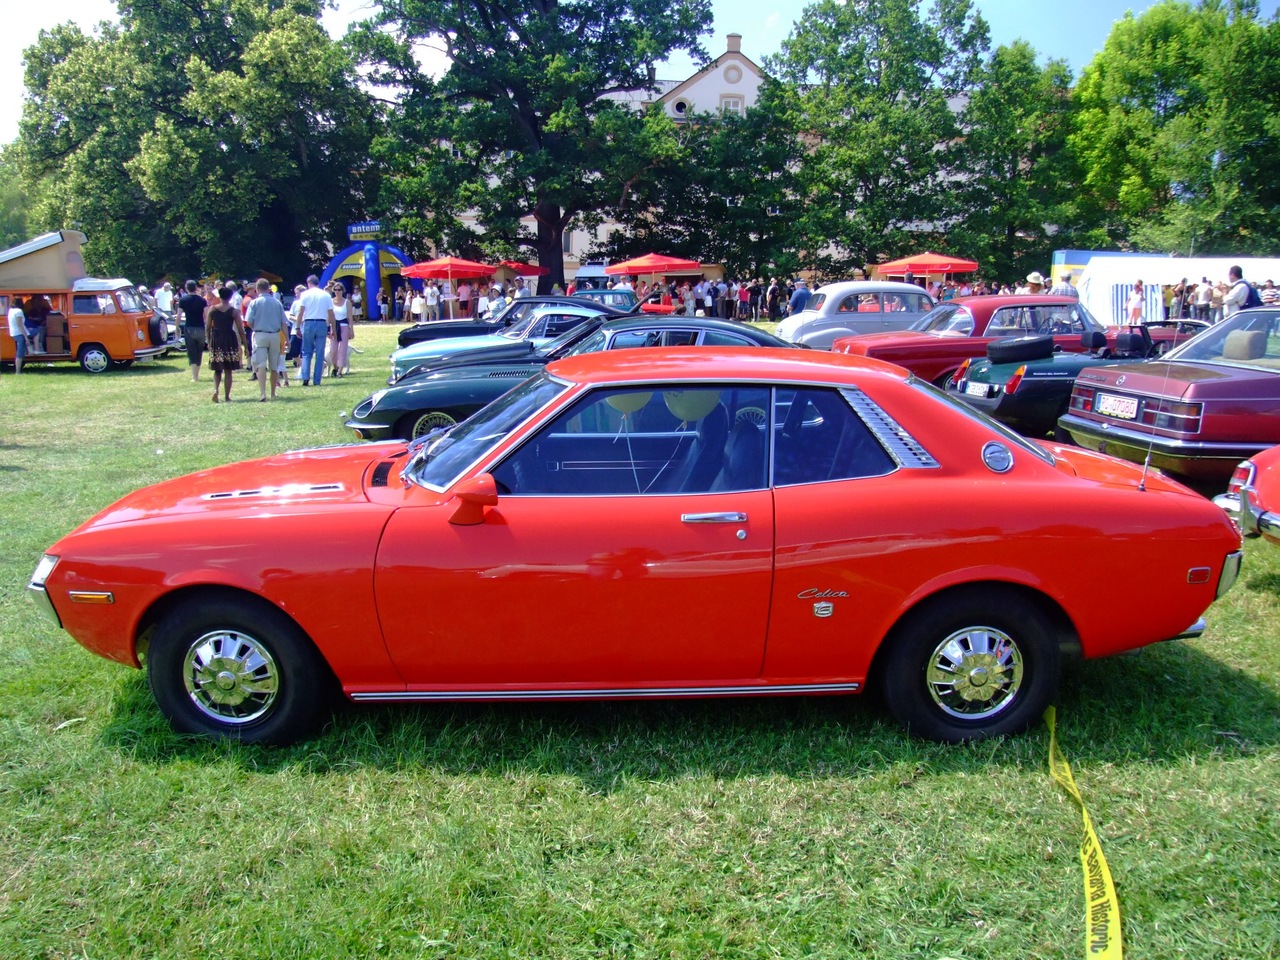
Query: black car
{"points": [[441, 395], [517, 308]]}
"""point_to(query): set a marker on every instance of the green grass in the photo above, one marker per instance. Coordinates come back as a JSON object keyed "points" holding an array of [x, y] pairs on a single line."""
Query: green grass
{"points": [[770, 828]]}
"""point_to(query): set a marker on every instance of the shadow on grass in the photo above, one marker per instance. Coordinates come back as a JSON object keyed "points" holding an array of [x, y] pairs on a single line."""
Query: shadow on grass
{"points": [[1268, 582], [1167, 704]]}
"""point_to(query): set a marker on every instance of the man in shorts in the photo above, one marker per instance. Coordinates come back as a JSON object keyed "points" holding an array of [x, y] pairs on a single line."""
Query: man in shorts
{"points": [[266, 318]]}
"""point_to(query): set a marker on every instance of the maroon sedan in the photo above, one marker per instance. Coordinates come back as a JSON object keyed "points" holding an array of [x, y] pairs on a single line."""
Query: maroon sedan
{"points": [[1211, 403], [959, 330]]}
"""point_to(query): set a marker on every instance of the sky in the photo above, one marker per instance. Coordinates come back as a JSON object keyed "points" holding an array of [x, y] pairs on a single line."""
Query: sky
{"points": [[1073, 33]]}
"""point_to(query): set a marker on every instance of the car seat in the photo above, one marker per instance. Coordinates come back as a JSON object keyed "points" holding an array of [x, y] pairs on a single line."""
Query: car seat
{"points": [[702, 459], [744, 459], [1245, 345]]}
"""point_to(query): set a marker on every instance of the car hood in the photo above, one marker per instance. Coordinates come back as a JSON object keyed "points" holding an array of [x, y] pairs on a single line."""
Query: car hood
{"points": [[867, 343], [511, 351], [447, 345], [1177, 379], [285, 482]]}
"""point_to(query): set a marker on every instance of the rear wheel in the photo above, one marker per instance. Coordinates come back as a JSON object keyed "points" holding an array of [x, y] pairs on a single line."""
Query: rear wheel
{"points": [[94, 358], [971, 665], [237, 669]]}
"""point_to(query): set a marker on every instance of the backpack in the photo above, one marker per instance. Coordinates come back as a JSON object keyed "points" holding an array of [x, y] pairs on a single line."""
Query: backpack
{"points": [[1252, 298]]}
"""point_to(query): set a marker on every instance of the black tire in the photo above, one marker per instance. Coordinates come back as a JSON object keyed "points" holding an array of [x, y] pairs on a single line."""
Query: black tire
{"points": [[155, 330], [423, 422], [94, 358], [1006, 649], [1020, 349], [237, 669]]}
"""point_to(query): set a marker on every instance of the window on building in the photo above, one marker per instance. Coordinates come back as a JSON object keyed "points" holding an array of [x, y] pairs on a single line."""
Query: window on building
{"points": [[732, 105]]}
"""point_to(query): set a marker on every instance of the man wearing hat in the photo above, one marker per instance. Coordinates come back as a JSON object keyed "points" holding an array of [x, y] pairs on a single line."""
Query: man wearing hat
{"points": [[1035, 284]]}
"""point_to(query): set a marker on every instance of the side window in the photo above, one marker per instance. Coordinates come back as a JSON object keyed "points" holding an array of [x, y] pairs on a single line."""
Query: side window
{"points": [[849, 304], [817, 437], [632, 338], [562, 323], [913, 303], [1058, 320], [716, 338], [1005, 322], [679, 338], [86, 304], [635, 442], [869, 303]]}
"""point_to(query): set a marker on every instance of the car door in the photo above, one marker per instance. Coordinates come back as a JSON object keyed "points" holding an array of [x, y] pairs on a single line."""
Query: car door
{"points": [[631, 544]]}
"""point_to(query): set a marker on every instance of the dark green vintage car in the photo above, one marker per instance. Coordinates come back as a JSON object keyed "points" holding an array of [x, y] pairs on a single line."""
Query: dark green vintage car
{"points": [[444, 394], [1025, 383]]}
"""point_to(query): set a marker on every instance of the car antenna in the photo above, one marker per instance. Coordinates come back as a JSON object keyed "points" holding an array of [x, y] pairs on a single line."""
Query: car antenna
{"points": [[1151, 440]]}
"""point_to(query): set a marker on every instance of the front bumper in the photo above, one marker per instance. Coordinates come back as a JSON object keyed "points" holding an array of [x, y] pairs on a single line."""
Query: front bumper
{"points": [[365, 430]]}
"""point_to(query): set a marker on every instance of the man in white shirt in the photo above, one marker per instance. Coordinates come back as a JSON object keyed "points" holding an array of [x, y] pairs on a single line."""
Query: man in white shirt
{"points": [[18, 331], [427, 304], [521, 289], [1237, 294], [1204, 295], [317, 320], [164, 297]]}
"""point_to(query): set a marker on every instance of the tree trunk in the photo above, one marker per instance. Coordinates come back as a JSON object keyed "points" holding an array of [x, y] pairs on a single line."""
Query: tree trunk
{"points": [[550, 245]]}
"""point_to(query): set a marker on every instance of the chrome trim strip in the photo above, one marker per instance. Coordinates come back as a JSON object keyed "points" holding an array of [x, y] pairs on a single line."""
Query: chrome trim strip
{"points": [[729, 517], [1230, 572], [287, 490], [40, 596], [605, 693], [1192, 632]]}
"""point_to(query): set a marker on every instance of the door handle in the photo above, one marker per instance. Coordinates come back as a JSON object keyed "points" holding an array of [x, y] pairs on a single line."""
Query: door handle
{"points": [[732, 517]]}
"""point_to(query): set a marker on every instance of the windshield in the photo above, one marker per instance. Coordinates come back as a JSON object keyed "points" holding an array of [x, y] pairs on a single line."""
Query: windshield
{"points": [[520, 329], [1248, 339], [592, 344], [130, 301], [945, 320], [569, 337], [439, 458]]}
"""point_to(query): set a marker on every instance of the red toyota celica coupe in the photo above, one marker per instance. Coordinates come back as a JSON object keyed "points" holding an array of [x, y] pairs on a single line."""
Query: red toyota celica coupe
{"points": [[708, 522]]}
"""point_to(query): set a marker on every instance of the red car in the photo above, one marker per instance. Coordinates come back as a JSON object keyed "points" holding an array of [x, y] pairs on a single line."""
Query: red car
{"points": [[960, 330], [645, 523], [1211, 403], [1253, 496]]}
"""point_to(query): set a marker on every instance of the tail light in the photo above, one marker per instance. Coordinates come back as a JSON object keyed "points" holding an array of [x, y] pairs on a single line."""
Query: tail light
{"points": [[1243, 477], [959, 376], [1172, 415], [1082, 398], [1016, 379]]}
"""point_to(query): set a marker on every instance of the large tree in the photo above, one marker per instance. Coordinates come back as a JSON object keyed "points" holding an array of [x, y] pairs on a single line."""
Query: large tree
{"points": [[730, 198], [1014, 187], [226, 136], [875, 87], [534, 116], [1178, 129]]}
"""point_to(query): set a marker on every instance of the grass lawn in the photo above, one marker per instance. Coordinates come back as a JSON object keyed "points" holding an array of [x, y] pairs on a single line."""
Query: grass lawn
{"points": [[770, 828]]}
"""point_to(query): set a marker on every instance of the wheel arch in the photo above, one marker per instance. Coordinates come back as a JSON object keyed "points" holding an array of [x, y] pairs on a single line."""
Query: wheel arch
{"points": [[166, 604], [1064, 629]]}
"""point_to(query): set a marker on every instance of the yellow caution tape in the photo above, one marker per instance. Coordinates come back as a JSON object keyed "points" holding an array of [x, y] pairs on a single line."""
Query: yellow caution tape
{"points": [[1101, 906]]}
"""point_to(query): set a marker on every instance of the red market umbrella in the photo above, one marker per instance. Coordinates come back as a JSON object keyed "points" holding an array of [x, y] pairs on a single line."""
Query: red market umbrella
{"points": [[447, 268], [523, 269], [927, 263], [652, 264]]}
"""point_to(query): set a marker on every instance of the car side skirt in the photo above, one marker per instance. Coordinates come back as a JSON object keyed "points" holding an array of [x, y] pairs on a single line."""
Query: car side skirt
{"points": [[606, 693]]}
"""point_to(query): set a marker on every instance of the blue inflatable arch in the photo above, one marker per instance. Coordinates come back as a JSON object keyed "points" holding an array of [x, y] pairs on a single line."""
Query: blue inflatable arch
{"points": [[374, 266]]}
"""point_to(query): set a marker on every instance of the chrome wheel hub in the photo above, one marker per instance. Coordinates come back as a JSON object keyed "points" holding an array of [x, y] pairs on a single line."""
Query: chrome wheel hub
{"points": [[975, 673], [231, 676]]}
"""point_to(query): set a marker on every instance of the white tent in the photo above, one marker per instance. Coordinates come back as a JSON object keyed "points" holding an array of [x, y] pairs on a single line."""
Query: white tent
{"points": [[1106, 282]]}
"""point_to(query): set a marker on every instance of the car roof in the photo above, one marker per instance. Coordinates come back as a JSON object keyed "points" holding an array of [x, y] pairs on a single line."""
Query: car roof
{"points": [[768, 364], [975, 305], [656, 321], [869, 286]]}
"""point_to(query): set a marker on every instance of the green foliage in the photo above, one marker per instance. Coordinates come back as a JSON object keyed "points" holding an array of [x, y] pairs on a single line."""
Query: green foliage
{"points": [[1012, 181], [871, 88], [226, 137], [526, 119], [1177, 130], [730, 197], [14, 205]]}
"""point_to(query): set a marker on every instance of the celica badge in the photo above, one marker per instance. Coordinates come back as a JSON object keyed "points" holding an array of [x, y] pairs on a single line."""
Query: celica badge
{"points": [[824, 609]]}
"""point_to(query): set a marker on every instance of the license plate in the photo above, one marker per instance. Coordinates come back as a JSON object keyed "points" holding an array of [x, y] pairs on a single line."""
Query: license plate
{"points": [[1123, 408], [976, 389]]}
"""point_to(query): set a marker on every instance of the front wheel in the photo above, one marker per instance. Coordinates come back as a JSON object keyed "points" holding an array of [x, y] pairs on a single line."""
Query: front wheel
{"points": [[237, 669], [420, 424], [971, 666]]}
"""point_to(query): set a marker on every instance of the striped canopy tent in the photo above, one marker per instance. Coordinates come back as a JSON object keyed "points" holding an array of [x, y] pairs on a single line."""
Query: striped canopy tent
{"points": [[926, 264]]}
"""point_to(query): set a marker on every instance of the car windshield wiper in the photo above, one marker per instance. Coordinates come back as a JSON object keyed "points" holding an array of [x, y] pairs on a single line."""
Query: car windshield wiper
{"points": [[421, 451]]}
